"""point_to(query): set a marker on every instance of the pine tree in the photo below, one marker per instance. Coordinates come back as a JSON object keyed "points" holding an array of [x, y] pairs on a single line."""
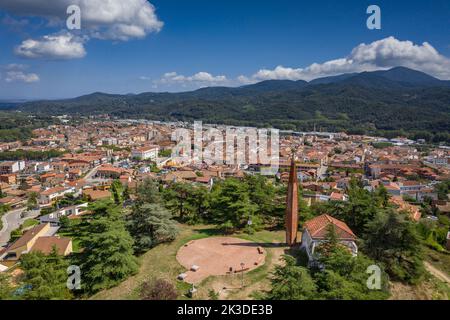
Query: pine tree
{"points": [[148, 192], [151, 224], [231, 205], [108, 255], [117, 192], [393, 240], [6, 291], [291, 282], [44, 276]]}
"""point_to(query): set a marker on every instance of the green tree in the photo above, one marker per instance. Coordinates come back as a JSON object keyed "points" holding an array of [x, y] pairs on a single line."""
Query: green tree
{"points": [[126, 193], [44, 276], [361, 207], [198, 205], [148, 192], [383, 196], [343, 276], [230, 204], [393, 240], [64, 222], [291, 282], [117, 191], [177, 196], [151, 224], [6, 290], [108, 255], [261, 193], [23, 185], [443, 189], [15, 234]]}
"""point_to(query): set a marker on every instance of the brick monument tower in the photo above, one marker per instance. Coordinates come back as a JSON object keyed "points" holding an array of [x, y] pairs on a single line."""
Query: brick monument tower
{"points": [[292, 205]]}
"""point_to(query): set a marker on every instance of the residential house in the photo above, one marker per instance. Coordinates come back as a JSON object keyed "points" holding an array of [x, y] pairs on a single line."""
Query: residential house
{"points": [[43, 167], [10, 178], [8, 167], [107, 171], [25, 242], [48, 196], [12, 202], [412, 210], [46, 244], [53, 218], [316, 231]]}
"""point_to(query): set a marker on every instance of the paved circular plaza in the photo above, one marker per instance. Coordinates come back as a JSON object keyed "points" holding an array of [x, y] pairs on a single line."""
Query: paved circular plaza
{"points": [[219, 256]]}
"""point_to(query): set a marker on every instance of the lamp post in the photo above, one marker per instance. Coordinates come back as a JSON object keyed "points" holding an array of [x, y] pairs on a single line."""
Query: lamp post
{"points": [[242, 274]]}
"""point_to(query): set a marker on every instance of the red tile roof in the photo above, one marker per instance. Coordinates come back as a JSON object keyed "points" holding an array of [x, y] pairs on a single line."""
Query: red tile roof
{"points": [[318, 228]]}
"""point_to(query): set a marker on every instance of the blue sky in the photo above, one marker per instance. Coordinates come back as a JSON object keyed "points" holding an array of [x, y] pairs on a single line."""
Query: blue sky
{"points": [[183, 45]]}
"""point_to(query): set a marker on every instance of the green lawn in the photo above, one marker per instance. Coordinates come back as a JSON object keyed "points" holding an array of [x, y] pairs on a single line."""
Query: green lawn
{"points": [[29, 223], [440, 260], [160, 262]]}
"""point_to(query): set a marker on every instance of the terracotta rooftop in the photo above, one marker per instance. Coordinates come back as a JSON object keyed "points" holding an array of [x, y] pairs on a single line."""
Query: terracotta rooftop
{"points": [[45, 244], [97, 194], [29, 235], [53, 190], [318, 228]]}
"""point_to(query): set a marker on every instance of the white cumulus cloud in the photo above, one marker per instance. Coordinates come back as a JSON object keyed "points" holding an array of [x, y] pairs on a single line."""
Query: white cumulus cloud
{"points": [[111, 19], [382, 54], [200, 79], [17, 73], [57, 46]]}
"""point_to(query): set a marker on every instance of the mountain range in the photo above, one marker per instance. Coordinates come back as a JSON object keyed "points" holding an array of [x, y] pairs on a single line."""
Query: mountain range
{"points": [[396, 99]]}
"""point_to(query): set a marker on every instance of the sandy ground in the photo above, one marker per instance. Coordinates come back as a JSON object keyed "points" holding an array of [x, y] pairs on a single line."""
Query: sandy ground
{"points": [[217, 256]]}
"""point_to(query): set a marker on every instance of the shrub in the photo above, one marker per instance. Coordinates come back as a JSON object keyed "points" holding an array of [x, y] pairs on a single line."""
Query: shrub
{"points": [[160, 289]]}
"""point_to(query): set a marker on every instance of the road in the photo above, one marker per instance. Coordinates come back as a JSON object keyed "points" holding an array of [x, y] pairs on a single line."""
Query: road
{"points": [[91, 172], [12, 220], [436, 272]]}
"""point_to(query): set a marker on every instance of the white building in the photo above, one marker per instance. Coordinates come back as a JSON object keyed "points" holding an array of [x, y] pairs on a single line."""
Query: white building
{"points": [[43, 167], [144, 153], [49, 195], [316, 232], [7, 167], [53, 218]]}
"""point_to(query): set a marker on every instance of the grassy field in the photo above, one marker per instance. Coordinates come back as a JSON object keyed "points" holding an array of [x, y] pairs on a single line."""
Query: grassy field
{"points": [[430, 288], [160, 262], [441, 260], [29, 223]]}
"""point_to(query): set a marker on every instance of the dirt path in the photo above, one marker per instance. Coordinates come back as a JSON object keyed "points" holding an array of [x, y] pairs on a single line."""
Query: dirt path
{"points": [[436, 272]]}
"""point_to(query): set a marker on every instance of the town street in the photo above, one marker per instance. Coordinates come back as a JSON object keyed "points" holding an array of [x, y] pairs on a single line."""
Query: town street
{"points": [[12, 220]]}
